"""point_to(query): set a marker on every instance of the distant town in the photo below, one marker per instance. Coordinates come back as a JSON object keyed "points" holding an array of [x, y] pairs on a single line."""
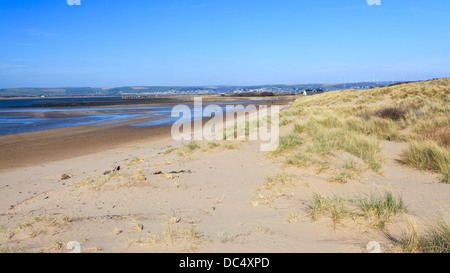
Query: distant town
{"points": [[150, 91]]}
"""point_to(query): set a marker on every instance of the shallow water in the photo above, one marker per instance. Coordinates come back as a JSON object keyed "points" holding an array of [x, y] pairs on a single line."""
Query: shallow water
{"points": [[20, 120]]}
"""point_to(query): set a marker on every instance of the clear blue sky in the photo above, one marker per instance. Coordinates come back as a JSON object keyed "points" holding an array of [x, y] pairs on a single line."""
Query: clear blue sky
{"points": [[105, 43]]}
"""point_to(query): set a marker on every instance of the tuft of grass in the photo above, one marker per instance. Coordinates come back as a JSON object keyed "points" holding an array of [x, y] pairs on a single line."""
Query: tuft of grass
{"points": [[293, 217], [117, 231], [137, 225], [437, 134], [93, 183], [331, 133], [188, 148], [7, 249], [212, 145], [335, 207], [285, 122], [446, 178], [31, 222], [272, 190], [230, 146], [92, 249], [349, 172], [173, 219], [434, 239], [7, 232], [55, 245], [300, 158], [343, 177], [135, 161], [409, 239], [298, 128], [324, 141], [70, 219], [173, 236], [382, 128], [351, 165], [287, 142], [192, 146], [279, 179], [140, 175], [170, 150], [427, 156], [365, 147], [382, 206]]}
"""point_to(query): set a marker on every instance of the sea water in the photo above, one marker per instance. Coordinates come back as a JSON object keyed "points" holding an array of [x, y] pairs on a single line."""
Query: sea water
{"points": [[17, 115]]}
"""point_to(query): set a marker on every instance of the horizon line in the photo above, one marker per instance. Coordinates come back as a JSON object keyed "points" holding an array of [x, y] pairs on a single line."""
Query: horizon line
{"points": [[225, 85]]}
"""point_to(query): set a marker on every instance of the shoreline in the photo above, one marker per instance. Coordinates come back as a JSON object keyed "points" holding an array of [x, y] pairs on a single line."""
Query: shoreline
{"points": [[38, 147]]}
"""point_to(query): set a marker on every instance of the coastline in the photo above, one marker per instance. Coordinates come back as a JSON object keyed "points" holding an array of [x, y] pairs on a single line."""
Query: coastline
{"points": [[42, 146]]}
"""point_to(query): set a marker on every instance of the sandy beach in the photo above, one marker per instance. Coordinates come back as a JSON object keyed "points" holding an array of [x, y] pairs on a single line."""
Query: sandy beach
{"points": [[63, 185]]}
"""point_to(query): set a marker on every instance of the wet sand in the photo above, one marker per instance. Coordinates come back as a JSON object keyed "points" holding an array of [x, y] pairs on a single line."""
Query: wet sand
{"points": [[38, 147]]}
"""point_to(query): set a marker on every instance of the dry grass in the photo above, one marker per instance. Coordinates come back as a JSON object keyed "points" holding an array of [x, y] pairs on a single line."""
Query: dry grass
{"points": [[135, 161], [377, 208], [335, 207], [274, 188], [180, 236], [428, 156], [435, 238], [349, 171], [415, 111]]}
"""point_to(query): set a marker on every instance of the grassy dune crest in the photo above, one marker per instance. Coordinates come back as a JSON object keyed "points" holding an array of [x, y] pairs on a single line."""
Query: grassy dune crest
{"points": [[356, 121]]}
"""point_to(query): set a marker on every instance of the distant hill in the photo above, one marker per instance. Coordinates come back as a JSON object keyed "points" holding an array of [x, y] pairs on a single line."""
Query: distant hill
{"points": [[169, 90]]}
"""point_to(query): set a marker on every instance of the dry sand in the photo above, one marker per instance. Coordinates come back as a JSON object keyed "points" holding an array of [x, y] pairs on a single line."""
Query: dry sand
{"points": [[213, 204]]}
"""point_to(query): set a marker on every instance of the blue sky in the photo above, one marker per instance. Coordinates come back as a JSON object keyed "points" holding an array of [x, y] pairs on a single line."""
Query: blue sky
{"points": [[105, 43]]}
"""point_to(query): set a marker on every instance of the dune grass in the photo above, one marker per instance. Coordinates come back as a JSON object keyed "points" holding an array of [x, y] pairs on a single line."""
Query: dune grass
{"points": [[331, 134], [33, 221], [427, 156], [192, 146], [335, 207], [287, 142], [91, 183], [434, 239], [446, 178], [188, 236], [381, 206], [135, 161], [414, 111], [378, 208], [169, 151], [189, 148], [365, 147]]}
